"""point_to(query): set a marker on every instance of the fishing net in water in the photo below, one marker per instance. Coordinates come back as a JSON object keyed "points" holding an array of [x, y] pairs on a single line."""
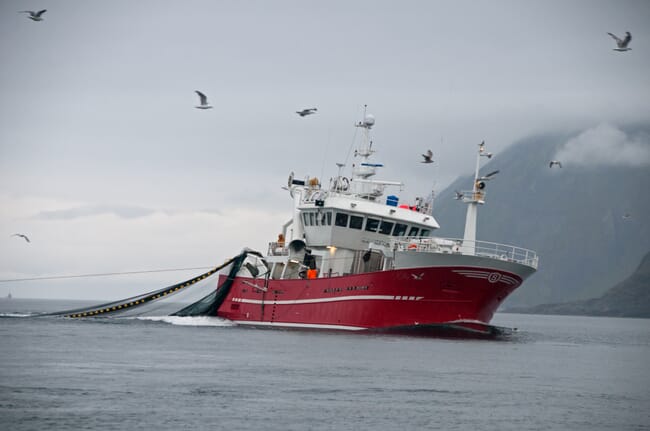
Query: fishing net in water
{"points": [[198, 296]]}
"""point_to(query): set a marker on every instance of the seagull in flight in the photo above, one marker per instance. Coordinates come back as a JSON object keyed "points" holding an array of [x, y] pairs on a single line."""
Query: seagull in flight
{"points": [[34, 16], [22, 236], [307, 111], [427, 157], [622, 43], [554, 162], [204, 101], [459, 195], [627, 216]]}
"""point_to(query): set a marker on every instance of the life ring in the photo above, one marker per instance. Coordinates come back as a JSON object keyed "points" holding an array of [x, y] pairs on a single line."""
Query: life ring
{"points": [[412, 246]]}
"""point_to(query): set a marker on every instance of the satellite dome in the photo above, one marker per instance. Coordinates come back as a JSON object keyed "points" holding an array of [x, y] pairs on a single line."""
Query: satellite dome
{"points": [[369, 120]]}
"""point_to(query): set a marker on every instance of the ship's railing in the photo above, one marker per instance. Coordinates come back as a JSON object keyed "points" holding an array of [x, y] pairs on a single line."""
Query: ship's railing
{"points": [[472, 196], [314, 195], [492, 250], [277, 249]]}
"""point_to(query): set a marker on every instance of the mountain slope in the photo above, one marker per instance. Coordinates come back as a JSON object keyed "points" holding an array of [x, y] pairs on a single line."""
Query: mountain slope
{"points": [[629, 298], [573, 217]]}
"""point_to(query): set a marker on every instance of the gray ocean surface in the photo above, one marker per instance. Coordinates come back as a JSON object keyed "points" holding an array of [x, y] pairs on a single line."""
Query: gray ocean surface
{"points": [[555, 373]]}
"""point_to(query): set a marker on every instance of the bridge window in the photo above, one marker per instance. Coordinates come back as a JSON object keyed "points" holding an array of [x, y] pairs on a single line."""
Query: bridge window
{"points": [[311, 219], [372, 224], [414, 231], [385, 227], [425, 232], [305, 219], [400, 229], [356, 222], [329, 218], [341, 220]]}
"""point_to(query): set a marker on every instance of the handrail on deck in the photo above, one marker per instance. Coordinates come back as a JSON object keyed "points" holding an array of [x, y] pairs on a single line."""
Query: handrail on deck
{"points": [[493, 250]]}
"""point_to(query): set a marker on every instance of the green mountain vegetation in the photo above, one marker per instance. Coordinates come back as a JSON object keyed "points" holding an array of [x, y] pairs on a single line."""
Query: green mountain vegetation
{"points": [[589, 224]]}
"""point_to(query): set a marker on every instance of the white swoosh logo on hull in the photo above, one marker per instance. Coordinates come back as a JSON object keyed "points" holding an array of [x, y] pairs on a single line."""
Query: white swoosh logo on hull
{"points": [[492, 277]]}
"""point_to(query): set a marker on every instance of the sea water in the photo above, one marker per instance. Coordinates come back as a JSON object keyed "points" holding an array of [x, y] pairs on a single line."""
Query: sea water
{"points": [[555, 373]]}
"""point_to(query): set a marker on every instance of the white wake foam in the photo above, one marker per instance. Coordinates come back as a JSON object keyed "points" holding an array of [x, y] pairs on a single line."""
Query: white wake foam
{"points": [[15, 315], [189, 320]]}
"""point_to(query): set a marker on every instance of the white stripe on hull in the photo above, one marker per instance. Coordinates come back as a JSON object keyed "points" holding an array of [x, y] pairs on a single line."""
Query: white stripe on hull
{"points": [[336, 299], [298, 325]]}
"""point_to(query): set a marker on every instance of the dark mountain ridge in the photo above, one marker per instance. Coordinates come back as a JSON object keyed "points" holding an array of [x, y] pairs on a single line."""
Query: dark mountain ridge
{"points": [[574, 217], [629, 298]]}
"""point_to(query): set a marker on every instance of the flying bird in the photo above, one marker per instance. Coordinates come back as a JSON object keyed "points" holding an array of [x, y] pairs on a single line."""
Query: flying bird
{"points": [[34, 16], [627, 216], [22, 236], [459, 195], [554, 162], [427, 157], [622, 43], [204, 101], [307, 111]]}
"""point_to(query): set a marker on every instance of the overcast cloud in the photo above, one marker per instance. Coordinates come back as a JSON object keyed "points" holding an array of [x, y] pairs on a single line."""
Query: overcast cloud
{"points": [[106, 164], [606, 145]]}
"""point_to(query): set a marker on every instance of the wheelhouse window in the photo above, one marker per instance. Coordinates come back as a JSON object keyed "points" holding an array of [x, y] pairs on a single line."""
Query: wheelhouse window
{"points": [[414, 231], [341, 220], [400, 229], [372, 224], [425, 232], [329, 218], [305, 219], [311, 219], [356, 222], [385, 227]]}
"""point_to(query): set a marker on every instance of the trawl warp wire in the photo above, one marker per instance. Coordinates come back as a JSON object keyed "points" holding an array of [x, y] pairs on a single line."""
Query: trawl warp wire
{"points": [[198, 296]]}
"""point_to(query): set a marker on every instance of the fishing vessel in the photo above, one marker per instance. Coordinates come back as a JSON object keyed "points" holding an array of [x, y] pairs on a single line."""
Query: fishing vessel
{"points": [[353, 258]]}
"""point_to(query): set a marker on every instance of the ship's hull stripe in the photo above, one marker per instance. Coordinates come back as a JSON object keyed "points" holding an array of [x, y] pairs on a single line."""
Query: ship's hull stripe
{"points": [[335, 299], [299, 325]]}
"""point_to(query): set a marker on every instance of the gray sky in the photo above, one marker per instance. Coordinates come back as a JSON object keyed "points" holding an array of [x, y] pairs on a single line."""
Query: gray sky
{"points": [[107, 166]]}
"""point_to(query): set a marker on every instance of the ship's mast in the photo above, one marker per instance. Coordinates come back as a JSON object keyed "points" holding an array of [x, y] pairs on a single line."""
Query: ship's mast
{"points": [[476, 198], [365, 169]]}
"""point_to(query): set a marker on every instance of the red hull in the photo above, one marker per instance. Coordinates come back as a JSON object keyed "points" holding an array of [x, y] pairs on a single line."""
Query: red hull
{"points": [[403, 298]]}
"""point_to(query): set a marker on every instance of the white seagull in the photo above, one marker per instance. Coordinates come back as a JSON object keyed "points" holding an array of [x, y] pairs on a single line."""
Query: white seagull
{"points": [[204, 101], [307, 111], [427, 157], [22, 236], [459, 195], [34, 16], [622, 43], [554, 162]]}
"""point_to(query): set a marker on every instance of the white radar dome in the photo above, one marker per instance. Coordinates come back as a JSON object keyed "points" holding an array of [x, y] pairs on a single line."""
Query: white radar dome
{"points": [[369, 120]]}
